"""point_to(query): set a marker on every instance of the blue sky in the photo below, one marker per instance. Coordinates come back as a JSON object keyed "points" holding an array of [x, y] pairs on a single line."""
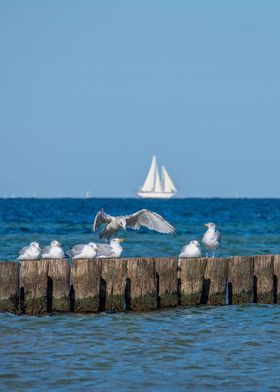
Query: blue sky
{"points": [[90, 90]]}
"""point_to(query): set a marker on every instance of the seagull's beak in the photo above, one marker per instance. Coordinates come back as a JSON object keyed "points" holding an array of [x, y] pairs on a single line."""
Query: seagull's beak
{"points": [[206, 225], [121, 240]]}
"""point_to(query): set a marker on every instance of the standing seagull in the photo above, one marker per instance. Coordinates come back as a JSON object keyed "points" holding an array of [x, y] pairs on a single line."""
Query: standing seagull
{"points": [[146, 218], [31, 252], [53, 251], [191, 250], [211, 239]]}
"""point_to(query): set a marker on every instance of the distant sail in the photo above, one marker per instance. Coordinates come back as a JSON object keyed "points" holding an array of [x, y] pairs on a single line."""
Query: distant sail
{"points": [[156, 187], [150, 180], [168, 185]]}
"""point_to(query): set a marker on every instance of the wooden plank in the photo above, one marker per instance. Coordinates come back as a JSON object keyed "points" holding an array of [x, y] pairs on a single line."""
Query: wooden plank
{"points": [[167, 285], [59, 285], [263, 279], [9, 287], [141, 275], [34, 286], [191, 278], [241, 279], [114, 274], [215, 279], [86, 285]]}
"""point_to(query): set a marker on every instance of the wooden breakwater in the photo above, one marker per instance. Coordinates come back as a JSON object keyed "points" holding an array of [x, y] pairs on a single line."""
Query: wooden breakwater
{"points": [[136, 284]]}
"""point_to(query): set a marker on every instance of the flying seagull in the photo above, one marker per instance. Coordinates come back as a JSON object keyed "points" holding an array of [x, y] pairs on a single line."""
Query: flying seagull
{"points": [[146, 218], [211, 239]]}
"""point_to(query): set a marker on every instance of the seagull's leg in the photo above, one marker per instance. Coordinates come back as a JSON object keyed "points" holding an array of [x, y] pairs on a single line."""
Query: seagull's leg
{"points": [[207, 254], [213, 254]]}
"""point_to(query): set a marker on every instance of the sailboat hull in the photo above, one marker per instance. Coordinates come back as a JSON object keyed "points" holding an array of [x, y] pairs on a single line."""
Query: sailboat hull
{"points": [[156, 195]]}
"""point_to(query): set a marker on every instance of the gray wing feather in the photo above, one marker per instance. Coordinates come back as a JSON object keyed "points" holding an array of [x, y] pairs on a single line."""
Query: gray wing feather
{"points": [[219, 237], [75, 250], [104, 250], [22, 251], [149, 219], [100, 219]]}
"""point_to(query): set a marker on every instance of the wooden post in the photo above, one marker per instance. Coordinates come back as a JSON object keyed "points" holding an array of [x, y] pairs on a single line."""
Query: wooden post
{"points": [[240, 279], [114, 273], [276, 279], [34, 286], [191, 278], [216, 278], [86, 286], [167, 285], [263, 279], [9, 286], [59, 285], [142, 293]]}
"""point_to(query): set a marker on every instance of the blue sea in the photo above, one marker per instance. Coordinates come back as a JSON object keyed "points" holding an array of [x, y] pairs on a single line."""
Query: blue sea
{"points": [[229, 348]]}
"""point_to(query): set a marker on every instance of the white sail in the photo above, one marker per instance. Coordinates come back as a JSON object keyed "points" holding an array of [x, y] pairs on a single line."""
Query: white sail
{"points": [[150, 180], [158, 185], [168, 185]]}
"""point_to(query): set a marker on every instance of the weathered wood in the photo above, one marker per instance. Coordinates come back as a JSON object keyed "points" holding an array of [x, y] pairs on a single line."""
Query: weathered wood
{"points": [[9, 287], [86, 285], [191, 278], [167, 285], [241, 279], [141, 275], [114, 274], [263, 279], [59, 285], [34, 286], [276, 278], [215, 281]]}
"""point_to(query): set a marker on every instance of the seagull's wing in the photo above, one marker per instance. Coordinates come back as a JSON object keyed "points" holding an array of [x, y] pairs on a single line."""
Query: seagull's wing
{"points": [[77, 249], [22, 251], [104, 250], [149, 219], [46, 249], [100, 219], [219, 237]]}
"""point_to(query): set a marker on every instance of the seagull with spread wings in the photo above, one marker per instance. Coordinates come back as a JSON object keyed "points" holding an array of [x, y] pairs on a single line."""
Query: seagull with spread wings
{"points": [[112, 224]]}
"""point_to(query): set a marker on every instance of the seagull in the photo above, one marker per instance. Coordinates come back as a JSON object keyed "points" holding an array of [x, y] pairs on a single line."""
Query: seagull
{"points": [[191, 250], [53, 251], [146, 218], [112, 250], [31, 252], [83, 251], [211, 239]]}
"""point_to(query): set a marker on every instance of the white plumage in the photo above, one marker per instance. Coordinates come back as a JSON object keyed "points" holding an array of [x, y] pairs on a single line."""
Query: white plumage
{"points": [[30, 252], [53, 251], [211, 239], [112, 250], [191, 250], [146, 218], [83, 251]]}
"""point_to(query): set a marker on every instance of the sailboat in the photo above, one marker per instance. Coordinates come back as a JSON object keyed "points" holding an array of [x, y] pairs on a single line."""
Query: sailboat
{"points": [[156, 187]]}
